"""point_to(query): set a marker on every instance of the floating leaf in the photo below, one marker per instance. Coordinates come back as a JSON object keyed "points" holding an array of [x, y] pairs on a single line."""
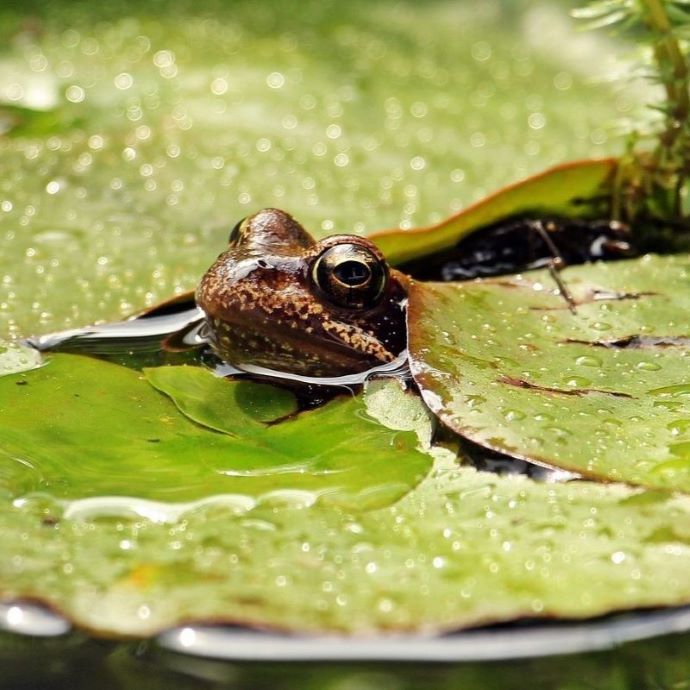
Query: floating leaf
{"points": [[558, 190], [604, 392], [80, 428], [465, 548], [441, 556]]}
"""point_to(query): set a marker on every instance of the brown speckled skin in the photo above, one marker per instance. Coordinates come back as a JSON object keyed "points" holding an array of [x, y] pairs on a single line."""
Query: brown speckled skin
{"points": [[262, 308]]}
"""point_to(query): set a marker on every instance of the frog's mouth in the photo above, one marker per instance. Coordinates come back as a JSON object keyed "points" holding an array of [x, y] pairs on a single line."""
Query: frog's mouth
{"points": [[310, 350]]}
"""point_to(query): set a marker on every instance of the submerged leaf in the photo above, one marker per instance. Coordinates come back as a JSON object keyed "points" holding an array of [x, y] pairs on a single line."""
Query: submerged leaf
{"points": [[215, 403], [604, 392], [80, 428]]}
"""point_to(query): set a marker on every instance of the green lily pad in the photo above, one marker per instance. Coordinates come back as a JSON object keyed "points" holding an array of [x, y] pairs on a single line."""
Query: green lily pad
{"points": [[604, 392], [80, 428], [465, 548], [559, 190], [206, 399], [190, 121]]}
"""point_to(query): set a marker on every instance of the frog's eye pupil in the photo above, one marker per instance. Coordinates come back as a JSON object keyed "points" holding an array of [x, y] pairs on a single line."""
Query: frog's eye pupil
{"points": [[352, 273]]}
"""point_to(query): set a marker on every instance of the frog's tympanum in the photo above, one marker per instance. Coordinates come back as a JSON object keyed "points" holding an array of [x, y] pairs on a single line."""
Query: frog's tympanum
{"points": [[276, 298]]}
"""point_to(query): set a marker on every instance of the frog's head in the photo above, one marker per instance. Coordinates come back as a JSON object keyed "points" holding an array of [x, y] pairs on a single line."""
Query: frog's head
{"points": [[276, 298]]}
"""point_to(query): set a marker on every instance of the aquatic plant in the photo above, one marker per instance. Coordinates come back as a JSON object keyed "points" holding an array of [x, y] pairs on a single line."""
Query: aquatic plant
{"points": [[653, 180]]}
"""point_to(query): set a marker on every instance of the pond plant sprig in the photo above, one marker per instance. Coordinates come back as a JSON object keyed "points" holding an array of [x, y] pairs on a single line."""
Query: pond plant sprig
{"points": [[653, 179]]}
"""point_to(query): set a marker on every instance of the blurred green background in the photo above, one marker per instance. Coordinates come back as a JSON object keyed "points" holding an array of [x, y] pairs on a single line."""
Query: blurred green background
{"points": [[137, 133]]}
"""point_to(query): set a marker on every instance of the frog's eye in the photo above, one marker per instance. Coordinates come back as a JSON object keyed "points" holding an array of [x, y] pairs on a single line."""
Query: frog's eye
{"points": [[235, 232], [350, 275]]}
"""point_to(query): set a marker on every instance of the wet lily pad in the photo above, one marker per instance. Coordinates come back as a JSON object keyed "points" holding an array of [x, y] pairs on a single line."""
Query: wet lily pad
{"points": [[80, 428], [604, 392], [464, 548], [565, 189], [231, 407]]}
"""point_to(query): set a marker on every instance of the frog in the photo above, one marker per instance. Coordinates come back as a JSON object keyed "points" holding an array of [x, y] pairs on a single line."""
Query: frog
{"points": [[279, 300], [278, 304]]}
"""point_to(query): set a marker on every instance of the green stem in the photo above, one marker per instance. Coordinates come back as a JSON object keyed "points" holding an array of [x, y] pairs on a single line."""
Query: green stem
{"points": [[675, 77], [668, 50]]}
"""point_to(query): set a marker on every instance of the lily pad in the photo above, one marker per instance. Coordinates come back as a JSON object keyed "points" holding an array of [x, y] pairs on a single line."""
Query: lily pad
{"points": [[465, 548], [208, 400], [80, 428], [565, 189], [604, 392], [214, 115]]}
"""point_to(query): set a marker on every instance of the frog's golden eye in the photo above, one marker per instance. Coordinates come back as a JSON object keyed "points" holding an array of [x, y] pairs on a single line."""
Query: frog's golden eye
{"points": [[236, 231], [350, 275]]}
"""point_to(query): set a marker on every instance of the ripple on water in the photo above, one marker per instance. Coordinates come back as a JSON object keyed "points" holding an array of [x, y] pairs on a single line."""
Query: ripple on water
{"points": [[130, 507]]}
